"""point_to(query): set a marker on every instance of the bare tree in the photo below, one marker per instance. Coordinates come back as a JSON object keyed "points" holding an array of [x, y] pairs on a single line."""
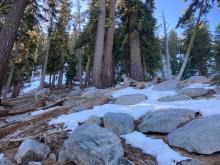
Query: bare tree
{"points": [[179, 76], [167, 55]]}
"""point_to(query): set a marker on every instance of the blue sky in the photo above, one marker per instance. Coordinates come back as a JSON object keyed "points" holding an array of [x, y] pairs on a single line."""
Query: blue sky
{"points": [[173, 9]]}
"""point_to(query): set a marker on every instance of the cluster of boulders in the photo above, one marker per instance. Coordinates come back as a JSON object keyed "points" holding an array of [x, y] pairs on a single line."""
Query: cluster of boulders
{"points": [[89, 144], [183, 91]]}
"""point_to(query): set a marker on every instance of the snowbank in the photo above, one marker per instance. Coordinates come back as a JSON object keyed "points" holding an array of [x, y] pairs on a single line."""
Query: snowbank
{"points": [[156, 147]]}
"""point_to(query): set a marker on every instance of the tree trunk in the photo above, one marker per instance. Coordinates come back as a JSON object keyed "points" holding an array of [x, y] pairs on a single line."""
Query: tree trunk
{"points": [[60, 78], [79, 56], [8, 35], [53, 80], [10, 77], [17, 83], [43, 75], [137, 72], [168, 66], [179, 76], [99, 48], [50, 79], [107, 77], [88, 70]]}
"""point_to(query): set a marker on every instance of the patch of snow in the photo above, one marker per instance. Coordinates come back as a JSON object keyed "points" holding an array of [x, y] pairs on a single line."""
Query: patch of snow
{"points": [[156, 147], [42, 111]]}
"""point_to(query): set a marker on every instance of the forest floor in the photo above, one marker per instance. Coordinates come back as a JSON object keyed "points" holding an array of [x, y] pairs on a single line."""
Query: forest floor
{"points": [[51, 119]]}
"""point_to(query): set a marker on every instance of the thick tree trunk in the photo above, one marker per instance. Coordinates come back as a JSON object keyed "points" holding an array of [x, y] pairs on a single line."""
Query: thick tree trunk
{"points": [[107, 77], [137, 72], [10, 77], [99, 48], [43, 75], [168, 66], [8, 35], [179, 76]]}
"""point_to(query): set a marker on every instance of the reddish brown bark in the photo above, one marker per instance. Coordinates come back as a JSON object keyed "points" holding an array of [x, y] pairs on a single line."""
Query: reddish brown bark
{"points": [[99, 48], [107, 76], [8, 35], [136, 71]]}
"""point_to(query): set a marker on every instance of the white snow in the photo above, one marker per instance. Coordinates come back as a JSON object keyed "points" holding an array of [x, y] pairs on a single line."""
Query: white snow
{"points": [[35, 84], [162, 152]]}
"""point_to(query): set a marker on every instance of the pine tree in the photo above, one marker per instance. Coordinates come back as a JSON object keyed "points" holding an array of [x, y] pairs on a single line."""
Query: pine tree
{"points": [[201, 52], [174, 49], [217, 53]]}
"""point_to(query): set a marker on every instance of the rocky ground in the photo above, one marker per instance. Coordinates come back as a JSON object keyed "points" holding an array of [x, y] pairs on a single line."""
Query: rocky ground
{"points": [[166, 124]]}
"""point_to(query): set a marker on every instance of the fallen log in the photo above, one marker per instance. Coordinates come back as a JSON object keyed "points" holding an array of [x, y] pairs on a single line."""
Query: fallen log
{"points": [[9, 129]]}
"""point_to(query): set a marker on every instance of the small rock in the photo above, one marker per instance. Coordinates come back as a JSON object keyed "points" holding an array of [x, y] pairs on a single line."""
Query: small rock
{"points": [[31, 150], [130, 99], [165, 121], [173, 98], [199, 136], [62, 157], [91, 144], [2, 108], [91, 92], [41, 94], [4, 160], [34, 163], [119, 123], [76, 91], [69, 102], [166, 85], [93, 120], [53, 156], [192, 162], [125, 161]]}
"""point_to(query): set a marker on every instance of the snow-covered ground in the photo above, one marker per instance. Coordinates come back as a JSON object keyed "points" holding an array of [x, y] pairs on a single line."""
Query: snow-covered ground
{"points": [[163, 153], [35, 84]]}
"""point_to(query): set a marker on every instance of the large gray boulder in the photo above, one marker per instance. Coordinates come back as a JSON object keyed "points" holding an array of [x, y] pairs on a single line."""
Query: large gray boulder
{"points": [[178, 97], [4, 160], [166, 85], [34, 163], [165, 121], [198, 78], [131, 99], [119, 123], [194, 92], [125, 161], [200, 136], [94, 120], [93, 145], [31, 150], [62, 157], [192, 162]]}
